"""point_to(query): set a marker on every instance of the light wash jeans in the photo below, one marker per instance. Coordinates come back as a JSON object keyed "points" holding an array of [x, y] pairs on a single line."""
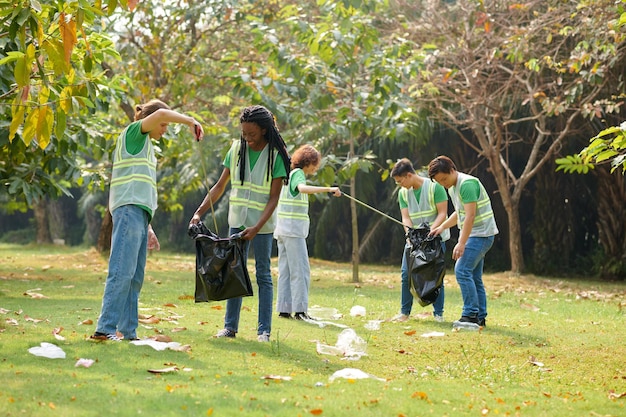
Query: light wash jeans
{"points": [[262, 245], [407, 298], [469, 275], [127, 263], [294, 275]]}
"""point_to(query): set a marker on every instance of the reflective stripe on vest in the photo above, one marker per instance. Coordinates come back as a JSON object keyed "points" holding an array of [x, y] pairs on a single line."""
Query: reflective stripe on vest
{"points": [[133, 180], [484, 222], [293, 213], [248, 200], [425, 210]]}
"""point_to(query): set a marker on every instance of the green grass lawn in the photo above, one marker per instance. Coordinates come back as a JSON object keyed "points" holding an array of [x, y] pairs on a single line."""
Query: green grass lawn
{"points": [[553, 347]]}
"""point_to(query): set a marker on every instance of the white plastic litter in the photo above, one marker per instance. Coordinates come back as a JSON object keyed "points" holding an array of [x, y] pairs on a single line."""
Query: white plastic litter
{"points": [[373, 325], [48, 350], [433, 334], [352, 373], [84, 363], [349, 345], [157, 345], [324, 313], [357, 311]]}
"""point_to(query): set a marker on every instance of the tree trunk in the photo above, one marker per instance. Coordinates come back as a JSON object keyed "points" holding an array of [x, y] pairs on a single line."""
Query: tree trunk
{"points": [[56, 221], [515, 238], [41, 219], [106, 230], [611, 222], [355, 233]]}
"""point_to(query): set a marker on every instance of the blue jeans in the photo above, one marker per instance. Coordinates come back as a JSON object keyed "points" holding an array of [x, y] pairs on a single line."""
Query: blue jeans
{"points": [[469, 275], [127, 263], [262, 245], [407, 298]]}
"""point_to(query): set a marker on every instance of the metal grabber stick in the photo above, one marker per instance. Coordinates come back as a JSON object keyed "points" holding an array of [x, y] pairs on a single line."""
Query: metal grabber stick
{"points": [[373, 209], [208, 189]]}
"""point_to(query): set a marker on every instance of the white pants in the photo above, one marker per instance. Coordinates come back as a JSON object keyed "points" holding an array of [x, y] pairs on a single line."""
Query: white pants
{"points": [[294, 275]]}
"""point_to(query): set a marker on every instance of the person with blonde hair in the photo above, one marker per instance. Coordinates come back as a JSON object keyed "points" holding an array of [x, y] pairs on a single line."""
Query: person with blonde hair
{"points": [[132, 203]]}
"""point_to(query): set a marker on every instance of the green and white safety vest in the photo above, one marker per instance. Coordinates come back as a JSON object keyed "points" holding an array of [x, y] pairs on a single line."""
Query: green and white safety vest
{"points": [[248, 200], [293, 212], [485, 222], [133, 180], [424, 210]]}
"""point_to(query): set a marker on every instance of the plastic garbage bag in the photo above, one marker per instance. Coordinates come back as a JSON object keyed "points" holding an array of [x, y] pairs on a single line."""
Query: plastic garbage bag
{"points": [[47, 350], [427, 265], [220, 268]]}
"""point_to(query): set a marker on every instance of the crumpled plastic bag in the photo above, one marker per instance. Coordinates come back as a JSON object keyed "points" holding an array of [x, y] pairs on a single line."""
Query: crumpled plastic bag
{"points": [[48, 350], [352, 373], [349, 345], [357, 311], [157, 345]]}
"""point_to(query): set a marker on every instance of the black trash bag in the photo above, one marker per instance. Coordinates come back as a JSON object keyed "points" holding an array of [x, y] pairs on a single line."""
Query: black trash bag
{"points": [[220, 268], [426, 262]]}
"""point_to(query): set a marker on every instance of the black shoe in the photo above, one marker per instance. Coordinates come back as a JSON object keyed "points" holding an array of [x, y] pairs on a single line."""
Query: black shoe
{"points": [[467, 322], [482, 322], [285, 315], [302, 316]]}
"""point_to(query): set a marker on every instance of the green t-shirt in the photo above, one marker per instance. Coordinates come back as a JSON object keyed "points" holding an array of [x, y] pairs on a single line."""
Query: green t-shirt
{"points": [[469, 191], [135, 140], [298, 177], [279, 166], [440, 195]]}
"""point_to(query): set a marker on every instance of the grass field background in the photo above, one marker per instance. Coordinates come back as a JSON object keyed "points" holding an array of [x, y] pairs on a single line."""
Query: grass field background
{"points": [[552, 347]]}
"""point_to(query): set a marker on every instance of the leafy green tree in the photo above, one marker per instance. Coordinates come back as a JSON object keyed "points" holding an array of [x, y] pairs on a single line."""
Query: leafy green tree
{"points": [[339, 84]]}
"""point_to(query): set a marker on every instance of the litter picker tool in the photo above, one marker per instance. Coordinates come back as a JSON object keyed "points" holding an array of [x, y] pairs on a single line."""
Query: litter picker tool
{"points": [[373, 209]]}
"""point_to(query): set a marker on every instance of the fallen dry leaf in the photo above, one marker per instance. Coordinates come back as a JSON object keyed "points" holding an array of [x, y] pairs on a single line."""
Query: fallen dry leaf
{"points": [[170, 305], [410, 332], [150, 320], [28, 318], [86, 322], [46, 267], [161, 338], [614, 395], [178, 329], [526, 306], [12, 322], [4, 311]]}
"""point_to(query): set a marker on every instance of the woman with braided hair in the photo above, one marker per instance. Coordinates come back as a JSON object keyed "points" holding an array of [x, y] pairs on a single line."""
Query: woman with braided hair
{"points": [[256, 165]]}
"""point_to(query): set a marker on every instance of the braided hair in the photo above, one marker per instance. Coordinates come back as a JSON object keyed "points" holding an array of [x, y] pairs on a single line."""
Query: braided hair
{"points": [[265, 120]]}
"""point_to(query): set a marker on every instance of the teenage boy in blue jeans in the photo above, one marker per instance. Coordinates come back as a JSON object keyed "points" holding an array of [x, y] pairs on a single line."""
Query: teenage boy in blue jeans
{"points": [[477, 229]]}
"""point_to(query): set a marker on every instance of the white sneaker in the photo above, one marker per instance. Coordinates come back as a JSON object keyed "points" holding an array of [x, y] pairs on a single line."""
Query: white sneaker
{"points": [[263, 337], [438, 318]]}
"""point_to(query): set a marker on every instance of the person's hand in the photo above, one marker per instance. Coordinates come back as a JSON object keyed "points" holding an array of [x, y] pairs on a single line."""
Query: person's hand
{"points": [[436, 231], [195, 219], [249, 233], [153, 241], [335, 191], [458, 251], [196, 130]]}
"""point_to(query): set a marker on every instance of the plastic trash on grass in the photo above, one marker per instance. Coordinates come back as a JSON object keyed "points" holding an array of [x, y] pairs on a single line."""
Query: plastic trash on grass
{"points": [[352, 373], [373, 324], [357, 311], [349, 345], [48, 350], [160, 345]]}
